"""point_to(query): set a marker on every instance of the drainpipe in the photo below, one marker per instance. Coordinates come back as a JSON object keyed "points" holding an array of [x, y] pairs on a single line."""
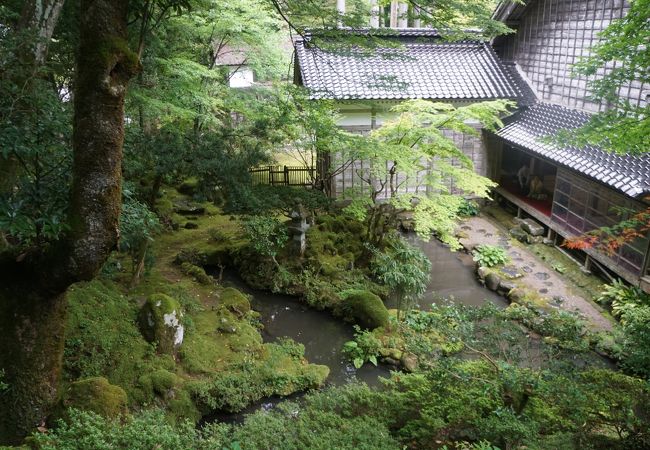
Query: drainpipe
{"points": [[374, 14]]}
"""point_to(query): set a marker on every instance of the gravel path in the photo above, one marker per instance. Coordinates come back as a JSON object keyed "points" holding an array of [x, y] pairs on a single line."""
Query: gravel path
{"points": [[537, 275]]}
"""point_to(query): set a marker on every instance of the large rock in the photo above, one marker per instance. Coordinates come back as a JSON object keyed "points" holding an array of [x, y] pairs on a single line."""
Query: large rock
{"points": [[95, 395], [518, 234], [234, 301], [492, 281], [409, 362], [160, 323], [366, 309], [516, 295], [506, 286], [531, 227]]}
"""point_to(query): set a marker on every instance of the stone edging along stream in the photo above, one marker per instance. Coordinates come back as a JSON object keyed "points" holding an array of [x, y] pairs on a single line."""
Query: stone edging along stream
{"points": [[527, 280]]}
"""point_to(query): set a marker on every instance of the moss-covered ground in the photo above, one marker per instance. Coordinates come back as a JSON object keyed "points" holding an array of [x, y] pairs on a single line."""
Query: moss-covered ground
{"points": [[221, 343]]}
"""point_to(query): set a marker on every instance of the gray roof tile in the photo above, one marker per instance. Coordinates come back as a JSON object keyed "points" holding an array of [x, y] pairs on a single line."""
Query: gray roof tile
{"points": [[424, 66], [627, 173]]}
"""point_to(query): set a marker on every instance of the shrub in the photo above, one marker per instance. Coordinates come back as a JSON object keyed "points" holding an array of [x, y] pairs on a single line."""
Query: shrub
{"points": [[490, 255], [365, 347], [468, 208], [618, 294], [365, 308], [267, 235], [635, 321], [404, 269]]}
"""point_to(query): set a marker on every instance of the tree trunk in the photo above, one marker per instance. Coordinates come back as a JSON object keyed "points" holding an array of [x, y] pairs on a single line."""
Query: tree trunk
{"points": [[31, 350], [41, 16], [32, 286]]}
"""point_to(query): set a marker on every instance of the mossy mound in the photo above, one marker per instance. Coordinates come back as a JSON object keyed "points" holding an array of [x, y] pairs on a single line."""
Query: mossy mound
{"points": [[159, 321], [96, 395], [196, 272], [366, 309], [278, 369], [235, 301], [219, 338]]}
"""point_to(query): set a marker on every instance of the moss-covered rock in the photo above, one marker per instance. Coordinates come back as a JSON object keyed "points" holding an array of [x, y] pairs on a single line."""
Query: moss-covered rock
{"points": [[196, 272], [235, 302], [366, 309], [96, 395], [160, 323]]}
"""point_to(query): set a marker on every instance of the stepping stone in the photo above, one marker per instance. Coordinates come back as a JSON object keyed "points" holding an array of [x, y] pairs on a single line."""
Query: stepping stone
{"points": [[542, 276], [516, 254], [481, 230], [543, 291], [527, 269], [465, 227], [548, 283], [512, 272], [488, 235], [531, 227], [518, 259]]}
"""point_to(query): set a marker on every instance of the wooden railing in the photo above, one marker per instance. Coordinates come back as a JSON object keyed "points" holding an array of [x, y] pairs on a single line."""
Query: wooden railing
{"points": [[283, 175]]}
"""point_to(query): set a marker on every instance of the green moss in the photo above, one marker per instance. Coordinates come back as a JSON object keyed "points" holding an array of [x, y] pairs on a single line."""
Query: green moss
{"points": [[209, 348], [189, 187], [102, 338], [366, 309], [182, 407], [278, 370], [154, 323], [196, 272], [235, 301], [96, 395]]}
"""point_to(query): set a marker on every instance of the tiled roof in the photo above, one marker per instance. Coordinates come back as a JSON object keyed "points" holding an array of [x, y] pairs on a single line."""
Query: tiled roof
{"points": [[423, 67], [626, 173]]}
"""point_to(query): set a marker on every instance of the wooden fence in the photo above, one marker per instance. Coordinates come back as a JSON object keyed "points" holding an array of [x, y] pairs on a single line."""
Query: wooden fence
{"points": [[283, 175]]}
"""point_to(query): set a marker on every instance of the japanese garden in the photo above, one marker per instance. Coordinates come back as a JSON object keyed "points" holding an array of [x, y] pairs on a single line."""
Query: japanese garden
{"points": [[324, 224]]}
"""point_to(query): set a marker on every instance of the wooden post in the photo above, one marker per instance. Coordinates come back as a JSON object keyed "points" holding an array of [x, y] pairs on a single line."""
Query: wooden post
{"points": [[286, 176]]}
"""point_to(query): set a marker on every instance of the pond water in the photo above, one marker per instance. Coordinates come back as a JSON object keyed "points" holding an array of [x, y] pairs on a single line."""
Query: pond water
{"points": [[453, 276], [323, 335]]}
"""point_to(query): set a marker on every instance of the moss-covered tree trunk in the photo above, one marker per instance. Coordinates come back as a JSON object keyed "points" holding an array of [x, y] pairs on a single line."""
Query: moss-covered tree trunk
{"points": [[33, 284], [31, 344]]}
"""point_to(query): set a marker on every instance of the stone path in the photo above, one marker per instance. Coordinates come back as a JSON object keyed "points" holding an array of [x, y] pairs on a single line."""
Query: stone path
{"points": [[536, 273]]}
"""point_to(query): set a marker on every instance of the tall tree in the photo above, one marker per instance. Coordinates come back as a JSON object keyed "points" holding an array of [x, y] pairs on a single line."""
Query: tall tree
{"points": [[33, 283]]}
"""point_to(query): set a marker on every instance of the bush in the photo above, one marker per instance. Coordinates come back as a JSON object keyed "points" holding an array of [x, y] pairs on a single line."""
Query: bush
{"points": [[468, 208], [635, 321], [365, 347], [490, 255], [618, 294], [148, 430], [365, 308], [404, 270], [267, 235]]}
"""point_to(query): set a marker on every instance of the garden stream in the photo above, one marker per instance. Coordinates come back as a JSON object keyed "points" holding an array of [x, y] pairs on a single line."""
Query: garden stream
{"points": [[323, 335]]}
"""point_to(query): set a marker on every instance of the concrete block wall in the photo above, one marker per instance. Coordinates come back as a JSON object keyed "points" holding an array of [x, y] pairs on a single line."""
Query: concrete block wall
{"points": [[552, 35]]}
